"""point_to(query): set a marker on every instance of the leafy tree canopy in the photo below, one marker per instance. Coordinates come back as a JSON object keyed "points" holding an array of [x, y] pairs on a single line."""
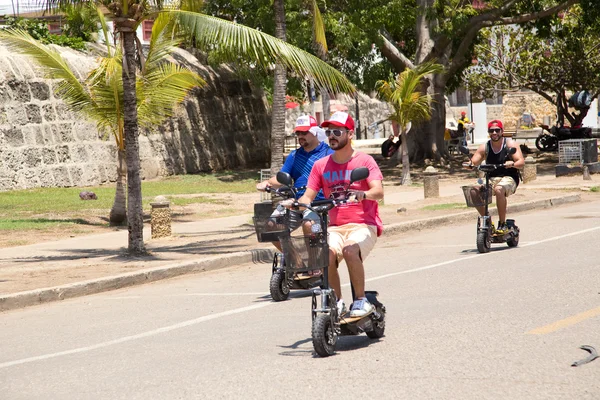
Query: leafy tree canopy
{"points": [[560, 59]]}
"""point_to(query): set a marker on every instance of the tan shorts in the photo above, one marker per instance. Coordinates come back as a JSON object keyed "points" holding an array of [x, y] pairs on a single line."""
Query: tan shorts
{"points": [[507, 182], [362, 234]]}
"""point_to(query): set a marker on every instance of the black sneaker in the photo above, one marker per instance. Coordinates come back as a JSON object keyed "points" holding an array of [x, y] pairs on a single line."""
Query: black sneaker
{"points": [[502, 228]]}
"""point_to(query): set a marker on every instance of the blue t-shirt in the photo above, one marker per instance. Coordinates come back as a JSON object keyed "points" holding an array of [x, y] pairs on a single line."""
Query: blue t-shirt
{"points": [[300, 162]]}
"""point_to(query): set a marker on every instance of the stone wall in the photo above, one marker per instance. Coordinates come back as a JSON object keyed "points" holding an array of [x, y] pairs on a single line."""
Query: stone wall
{"points": [[224, 125], [371, 110]]}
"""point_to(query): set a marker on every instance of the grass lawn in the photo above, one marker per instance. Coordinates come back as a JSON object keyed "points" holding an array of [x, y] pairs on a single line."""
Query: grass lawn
{"points": [[51, 208]]}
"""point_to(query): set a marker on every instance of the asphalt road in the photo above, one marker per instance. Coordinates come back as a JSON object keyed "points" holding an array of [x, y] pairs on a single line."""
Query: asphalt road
{"points": [[460, 325]]}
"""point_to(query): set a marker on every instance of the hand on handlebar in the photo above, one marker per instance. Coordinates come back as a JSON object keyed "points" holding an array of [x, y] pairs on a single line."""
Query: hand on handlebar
{"points": [[288, 203], [468, 164], [356, 197], [509, 164], [263, 186]]}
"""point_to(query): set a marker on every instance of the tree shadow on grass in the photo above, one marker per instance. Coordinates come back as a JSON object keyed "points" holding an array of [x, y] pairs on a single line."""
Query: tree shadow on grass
{"points": [[51, 221]]}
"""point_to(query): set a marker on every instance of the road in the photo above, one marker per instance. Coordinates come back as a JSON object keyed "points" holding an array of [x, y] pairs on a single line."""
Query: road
{"points": [[460, 325]]}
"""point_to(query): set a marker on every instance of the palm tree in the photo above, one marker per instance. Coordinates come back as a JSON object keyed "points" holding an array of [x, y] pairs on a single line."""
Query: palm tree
{"points": [[410, 105], [279, 91], [233, 39], [161, 85]]}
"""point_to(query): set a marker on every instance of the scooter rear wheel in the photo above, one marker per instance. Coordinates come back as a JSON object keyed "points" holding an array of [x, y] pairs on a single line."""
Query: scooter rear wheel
{"points": [[484, 242], [324, 336], [279, 288], [513, 241], [379, 325]]}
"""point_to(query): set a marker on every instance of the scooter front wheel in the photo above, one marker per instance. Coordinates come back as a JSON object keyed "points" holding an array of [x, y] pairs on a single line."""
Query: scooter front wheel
{"points": [[324, 336], [513, 241], [280, 290], [483, 241]]}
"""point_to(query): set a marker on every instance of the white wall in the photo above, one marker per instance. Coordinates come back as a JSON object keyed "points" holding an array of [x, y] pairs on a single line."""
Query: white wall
{"points": [[480, 119], [591, 119]]}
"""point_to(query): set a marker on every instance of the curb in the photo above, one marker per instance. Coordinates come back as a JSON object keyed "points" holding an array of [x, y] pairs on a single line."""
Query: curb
{"points": [[83, 288], [56, 293], [427, 223]]}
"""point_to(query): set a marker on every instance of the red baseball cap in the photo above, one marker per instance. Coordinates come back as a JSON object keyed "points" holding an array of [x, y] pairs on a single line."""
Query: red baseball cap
{"points": [[463, 113], [496, 122], [304, 123], [341, 119]]}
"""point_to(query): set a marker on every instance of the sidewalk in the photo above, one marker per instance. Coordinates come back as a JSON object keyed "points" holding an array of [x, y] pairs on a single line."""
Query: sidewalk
{"points": [[79, 266]]}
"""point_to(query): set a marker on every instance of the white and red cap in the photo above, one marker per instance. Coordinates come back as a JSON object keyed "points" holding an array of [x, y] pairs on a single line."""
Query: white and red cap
{"points": [[340, 119], [304, 123]]}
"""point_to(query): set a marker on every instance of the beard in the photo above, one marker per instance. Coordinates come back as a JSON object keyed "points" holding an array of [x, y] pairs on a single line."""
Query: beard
{"points": [[498, 137], [338, 143]]}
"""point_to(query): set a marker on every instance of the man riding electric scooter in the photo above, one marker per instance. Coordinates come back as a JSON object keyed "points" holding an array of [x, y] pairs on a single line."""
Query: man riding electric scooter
{"points": [[354, 227], [504, 180]]}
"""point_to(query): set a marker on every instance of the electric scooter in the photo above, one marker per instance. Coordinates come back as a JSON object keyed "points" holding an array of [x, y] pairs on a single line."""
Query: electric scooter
{"points": [[482, 197], [270, 229], [327, 323]]}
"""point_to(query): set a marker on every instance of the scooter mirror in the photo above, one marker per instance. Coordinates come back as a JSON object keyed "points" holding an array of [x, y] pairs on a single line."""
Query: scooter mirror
{"points": [[359, 174], [284, 178], [463, 149]]}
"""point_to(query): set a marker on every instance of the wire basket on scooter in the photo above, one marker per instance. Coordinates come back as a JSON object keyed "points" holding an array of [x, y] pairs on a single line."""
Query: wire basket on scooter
{"points": [[268, 228], [474, 195], [306, 252]]}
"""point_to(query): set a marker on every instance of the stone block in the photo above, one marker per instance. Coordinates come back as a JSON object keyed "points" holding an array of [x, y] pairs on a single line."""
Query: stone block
{"points": [[13, 159], [85, 131], [13, 136], [48, 112], [63, 154], [3, 115], [47, 180], [47, 135], [150, 168], [61, 177], [63, 132], [16, 114], [19, 90], [76, 173], [90, 175], [29, 133], [32, 157], [111, 172], [49, 156], [27, 179], [39, 90], [62, 112], [79, 154]]}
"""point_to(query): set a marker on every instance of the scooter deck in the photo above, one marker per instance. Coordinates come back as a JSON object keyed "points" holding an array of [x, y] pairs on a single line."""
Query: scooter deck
{"points": [[305, 277], [347, 319]]}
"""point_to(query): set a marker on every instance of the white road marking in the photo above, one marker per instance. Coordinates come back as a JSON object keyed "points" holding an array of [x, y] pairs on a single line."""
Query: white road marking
{"points": [[135, 337], [205, 318]]}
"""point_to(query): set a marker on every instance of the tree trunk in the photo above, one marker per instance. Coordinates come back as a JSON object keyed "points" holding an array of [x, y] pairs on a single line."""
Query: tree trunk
{"points": [[325, 102], [118, 212], [135, 215], [278, 111]]}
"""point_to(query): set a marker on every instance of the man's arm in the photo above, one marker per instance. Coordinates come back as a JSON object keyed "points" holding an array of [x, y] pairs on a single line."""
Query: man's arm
{"points": [[375, 191], [308, 196], [479, 155], [272, 181], [517, 159]]}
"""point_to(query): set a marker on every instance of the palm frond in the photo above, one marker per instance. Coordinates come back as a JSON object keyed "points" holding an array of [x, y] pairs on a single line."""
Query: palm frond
{"points": [[237, 41], [161, 44], [70, 88], [319, 26], [104, 31], [163, 88]]}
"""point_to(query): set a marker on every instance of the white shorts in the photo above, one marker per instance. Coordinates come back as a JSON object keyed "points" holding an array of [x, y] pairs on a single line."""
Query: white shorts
{"points": [[362, 234]]}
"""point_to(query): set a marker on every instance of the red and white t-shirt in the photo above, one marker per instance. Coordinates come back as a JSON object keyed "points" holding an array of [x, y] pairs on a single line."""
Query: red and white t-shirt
{"points": [[332, 177]]}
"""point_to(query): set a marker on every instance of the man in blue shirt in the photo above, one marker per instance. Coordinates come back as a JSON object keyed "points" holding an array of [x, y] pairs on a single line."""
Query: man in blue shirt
{"points": [[300, 162]]}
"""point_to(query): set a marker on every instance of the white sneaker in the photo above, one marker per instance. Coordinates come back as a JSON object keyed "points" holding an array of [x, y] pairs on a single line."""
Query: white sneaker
{"points": [[341, 306], [360, 308]]}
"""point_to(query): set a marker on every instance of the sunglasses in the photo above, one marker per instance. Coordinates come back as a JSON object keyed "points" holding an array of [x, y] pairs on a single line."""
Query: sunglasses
{"points": [[336, 132], [495, 130]]}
